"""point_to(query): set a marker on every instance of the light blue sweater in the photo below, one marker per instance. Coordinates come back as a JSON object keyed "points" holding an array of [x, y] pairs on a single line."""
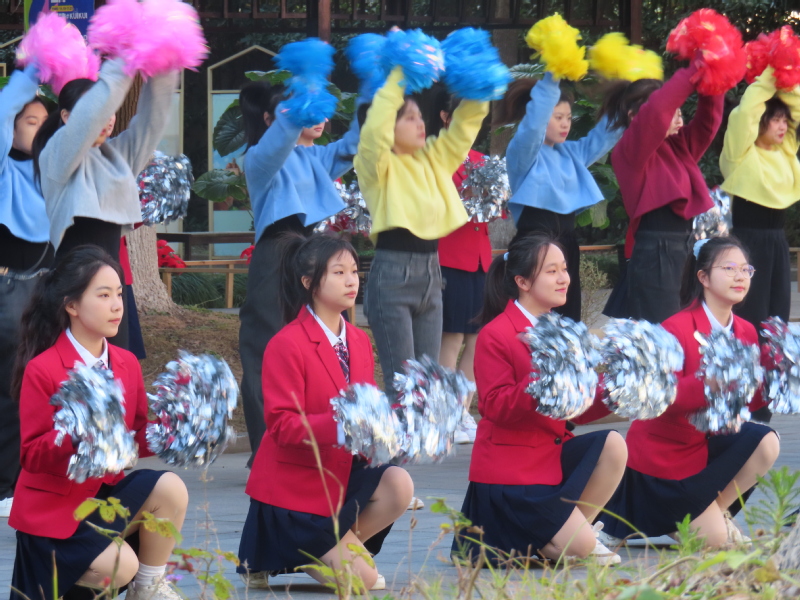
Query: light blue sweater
{"points": [[285, 179], [554, 178], [22, 207]]}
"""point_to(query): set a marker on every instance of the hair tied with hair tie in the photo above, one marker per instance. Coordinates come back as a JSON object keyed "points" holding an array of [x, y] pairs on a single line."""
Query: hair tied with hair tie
{"points": [[505, 257], [698, 245]]}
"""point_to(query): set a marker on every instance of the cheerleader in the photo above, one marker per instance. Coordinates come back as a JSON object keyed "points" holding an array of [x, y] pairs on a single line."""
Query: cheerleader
{"points": [[464, 256], [762, 174], [74, 309], [25, 252], [290, 180], [310, 498], [673, 469], [549, 175], [656, 164], [527, 470]]}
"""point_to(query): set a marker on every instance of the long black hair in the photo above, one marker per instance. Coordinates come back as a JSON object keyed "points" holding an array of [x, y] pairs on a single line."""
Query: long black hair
{"points": [[255, 99], [67, 99], [306, 257], [525, 258], [623, 99], [692, 291], [45, 317], [443, 101], [511, 109]]}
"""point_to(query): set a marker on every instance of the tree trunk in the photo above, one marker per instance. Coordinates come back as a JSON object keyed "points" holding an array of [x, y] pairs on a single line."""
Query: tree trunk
{"points": [[151, 294]]}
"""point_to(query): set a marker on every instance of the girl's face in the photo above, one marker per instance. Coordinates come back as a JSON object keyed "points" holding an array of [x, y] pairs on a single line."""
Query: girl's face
{"points": [[559, 125], [728, 280], [339, 285], [409, 130], [27, 125], [774, 133], [676, 124], [99, 311], [549, 288]]}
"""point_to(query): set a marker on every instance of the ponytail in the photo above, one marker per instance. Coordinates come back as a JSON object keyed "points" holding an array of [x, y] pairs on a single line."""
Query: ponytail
{"points": [[623, 99]]}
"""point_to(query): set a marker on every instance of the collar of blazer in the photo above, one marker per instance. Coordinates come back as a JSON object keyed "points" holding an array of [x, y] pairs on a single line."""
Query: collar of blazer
{"points": [[703, 325], [518, 320], [326, 352], [69, 356]]}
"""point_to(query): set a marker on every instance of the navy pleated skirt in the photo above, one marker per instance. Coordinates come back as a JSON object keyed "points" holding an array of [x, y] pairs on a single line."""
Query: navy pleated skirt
{"points": [[33, 567], [462, 299], [654, 505], [278, 540], [525, 518]]}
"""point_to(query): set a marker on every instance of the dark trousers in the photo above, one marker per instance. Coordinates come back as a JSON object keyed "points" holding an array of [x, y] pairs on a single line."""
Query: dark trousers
{"points": [[15, 291], [654, 274]]}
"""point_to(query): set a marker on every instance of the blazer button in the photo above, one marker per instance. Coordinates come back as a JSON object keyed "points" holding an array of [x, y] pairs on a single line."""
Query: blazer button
{"points": [[477, 229], [557, 441]]}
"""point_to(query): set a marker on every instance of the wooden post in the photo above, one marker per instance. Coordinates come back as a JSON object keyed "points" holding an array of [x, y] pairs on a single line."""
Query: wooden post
{"points": [[318, 22], [229, 287], [636, 21]]}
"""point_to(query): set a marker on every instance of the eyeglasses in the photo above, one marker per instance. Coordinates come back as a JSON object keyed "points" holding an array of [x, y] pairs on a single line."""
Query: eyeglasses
{"points": [[732, 270]]}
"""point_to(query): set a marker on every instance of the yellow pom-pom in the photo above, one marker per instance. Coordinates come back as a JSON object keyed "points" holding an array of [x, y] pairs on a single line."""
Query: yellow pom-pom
{"points": [[614, 58], [556, 44]]}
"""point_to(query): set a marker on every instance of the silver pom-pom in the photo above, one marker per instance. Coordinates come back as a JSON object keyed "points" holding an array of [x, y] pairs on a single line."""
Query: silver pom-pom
{"points": [[371, 427], [782, 354], [92, 413], [432, 399], [195, 398], [485, 190], [354, 219], [639, 361], [564, 357], [717, 220], [732, 374], [165, 186]]}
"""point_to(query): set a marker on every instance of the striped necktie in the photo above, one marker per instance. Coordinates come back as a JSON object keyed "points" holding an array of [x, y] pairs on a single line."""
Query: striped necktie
{"points": [[344, 359]]}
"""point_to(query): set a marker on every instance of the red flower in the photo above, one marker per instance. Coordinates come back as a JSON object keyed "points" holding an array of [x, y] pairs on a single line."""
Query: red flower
{"points": [[167, 257], [248, 253]]}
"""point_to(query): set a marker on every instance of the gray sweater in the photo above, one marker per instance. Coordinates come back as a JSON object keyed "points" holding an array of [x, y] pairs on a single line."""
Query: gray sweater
{"points": [[100, 183]]}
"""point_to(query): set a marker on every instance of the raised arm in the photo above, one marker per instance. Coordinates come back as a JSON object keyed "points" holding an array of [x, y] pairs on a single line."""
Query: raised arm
{"points": [[700, 131], [792, 100], [453, 144], [265, 159], [19, 90], [527, 141], [597, 143], [70, 144], [337, 157], [138, 142], [742, 130]]}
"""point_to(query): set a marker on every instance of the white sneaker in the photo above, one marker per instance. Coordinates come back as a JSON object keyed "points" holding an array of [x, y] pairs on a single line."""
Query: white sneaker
{"points": [[462, 436], [380, 584], [603, 555], [163, 590], [5, 507], [415, 504], [256, 580], [468, 422]]}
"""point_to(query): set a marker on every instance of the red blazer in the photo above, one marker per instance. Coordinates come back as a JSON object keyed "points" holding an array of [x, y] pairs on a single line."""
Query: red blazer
{"points": [[514, 445], [669, 446], [44, 498], [468, 248], [301, 372]]}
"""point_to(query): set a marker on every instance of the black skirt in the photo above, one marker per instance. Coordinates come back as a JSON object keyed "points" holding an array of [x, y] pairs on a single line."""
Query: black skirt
{"points": [[525, 518], [654, 505], [462, 299], [278, 540], [33, 567]]}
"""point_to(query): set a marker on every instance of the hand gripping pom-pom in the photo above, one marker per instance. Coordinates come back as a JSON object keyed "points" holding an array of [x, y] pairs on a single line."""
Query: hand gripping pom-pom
{"points": [[310, 61], [59, 52], [432, 400], [193, 403], [781, 360], [91, 411], [473, 69], [615, 58], [732, 375], [365, 53], [556, 45], [639, 360], [723, 59], [717, 220], [757, 52], [564, 356], [784, 50], [354, 219], [165, 187], [371, 427], [485, 190], [419, 55]]}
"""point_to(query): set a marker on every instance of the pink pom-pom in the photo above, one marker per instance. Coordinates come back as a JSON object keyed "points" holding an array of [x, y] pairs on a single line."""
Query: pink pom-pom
{"points": [[785, 58], [113, 29], [757, 57], [57, 49]]}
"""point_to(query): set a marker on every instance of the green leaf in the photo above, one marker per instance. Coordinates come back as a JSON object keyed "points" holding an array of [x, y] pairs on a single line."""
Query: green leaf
{"points": [[219, 185], [229, 131], [584, 218], [86, 508], [273, 77], [527, 70], [640, 592], [107, 513], [3, 82], [47, 92]]}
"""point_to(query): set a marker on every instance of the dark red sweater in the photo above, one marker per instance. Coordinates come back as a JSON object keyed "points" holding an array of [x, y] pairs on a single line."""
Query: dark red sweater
{"points": [[654, 170]]}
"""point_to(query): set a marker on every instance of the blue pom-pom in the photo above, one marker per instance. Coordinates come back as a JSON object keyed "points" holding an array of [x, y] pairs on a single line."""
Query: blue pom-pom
{"points": [[473, 69], [308, 58], [419, 55], [365, 53], [309, 105]]}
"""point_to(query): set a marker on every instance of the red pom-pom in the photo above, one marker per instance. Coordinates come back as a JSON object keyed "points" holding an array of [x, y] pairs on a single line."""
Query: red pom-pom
{"points": [[757, 57], [785, 58], [722, 61]]}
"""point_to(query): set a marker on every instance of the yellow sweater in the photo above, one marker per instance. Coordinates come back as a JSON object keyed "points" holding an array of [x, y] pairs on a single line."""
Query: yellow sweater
{"points": [[414, 191], [770, 178]]}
